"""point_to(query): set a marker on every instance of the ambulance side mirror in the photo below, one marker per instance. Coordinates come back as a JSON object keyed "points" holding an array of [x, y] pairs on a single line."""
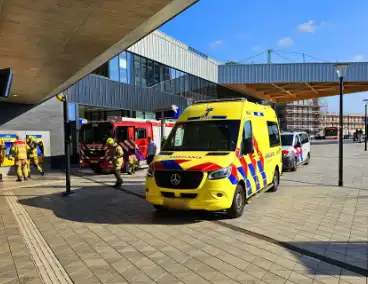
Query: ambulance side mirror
{"points": [[247, 146], [298, 145]]}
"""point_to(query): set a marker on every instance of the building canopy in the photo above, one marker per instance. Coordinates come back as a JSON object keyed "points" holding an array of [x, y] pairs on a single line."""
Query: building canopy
{"points": [[292, 82], [50, 45]]}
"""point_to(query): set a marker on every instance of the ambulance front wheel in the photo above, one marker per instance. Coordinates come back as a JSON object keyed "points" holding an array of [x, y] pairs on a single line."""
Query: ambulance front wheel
{"points": [[160, 208], [276, 180], [237, 207]]}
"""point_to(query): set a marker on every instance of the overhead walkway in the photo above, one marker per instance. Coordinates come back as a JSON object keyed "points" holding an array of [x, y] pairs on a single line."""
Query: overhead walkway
{"points": [[50, 45], [295, 81]]}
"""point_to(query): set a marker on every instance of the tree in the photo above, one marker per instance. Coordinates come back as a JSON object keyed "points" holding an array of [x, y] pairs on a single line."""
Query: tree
{"points": [[230, 62]]}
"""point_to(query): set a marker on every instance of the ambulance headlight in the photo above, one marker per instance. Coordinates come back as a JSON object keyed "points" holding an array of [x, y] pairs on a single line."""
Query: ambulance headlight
{"points": [[219, 174]]}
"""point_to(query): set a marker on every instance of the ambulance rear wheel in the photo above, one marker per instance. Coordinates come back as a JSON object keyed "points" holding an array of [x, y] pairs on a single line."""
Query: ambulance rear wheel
{"points": [[275, 181], [237, 207]]}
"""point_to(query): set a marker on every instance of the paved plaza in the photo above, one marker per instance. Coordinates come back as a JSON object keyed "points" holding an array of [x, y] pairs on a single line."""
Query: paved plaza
{"points": [[308, 232]]}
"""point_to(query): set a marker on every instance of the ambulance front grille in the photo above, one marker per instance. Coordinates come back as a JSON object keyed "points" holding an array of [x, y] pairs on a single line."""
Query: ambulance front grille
{"points": [[188, 179]]}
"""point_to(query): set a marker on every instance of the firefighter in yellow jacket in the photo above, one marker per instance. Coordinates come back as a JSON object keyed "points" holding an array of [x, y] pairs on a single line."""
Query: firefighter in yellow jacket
{"points": [[19, 152], [32, 156], [115, 154], [2, 155]]}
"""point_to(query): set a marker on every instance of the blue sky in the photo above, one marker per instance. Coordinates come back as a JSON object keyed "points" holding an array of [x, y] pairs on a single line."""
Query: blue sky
{"points": [[239, 29]]}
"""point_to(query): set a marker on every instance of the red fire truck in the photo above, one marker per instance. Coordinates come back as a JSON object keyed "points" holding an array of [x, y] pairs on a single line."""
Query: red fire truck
{"points": [[130, 133]]}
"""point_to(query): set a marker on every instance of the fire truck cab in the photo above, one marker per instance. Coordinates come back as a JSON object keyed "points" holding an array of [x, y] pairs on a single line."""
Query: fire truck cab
{"points": [[131, 133]]}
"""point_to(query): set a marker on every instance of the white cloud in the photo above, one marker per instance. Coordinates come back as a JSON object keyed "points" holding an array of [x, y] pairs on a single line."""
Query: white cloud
{"points": [[284, 42], [308, 27], [216, 43], [358, 58]]}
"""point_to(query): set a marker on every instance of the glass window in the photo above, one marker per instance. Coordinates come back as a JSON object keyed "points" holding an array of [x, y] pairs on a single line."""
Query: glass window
{"points": [[72, 112], [205, 88], [144, 71], [182, 84], [186, 84], [212, 135], [150, 75], [177, 82], [137, 70], [123, 67], [129, 67], [140, 133], [287, 139], [114, 69], [113, 113], [273, 134], [157, 73], [149, 115], [121, 133], [247, 138], [96, 132], [166, 79], [139, 114], [166, 73]]}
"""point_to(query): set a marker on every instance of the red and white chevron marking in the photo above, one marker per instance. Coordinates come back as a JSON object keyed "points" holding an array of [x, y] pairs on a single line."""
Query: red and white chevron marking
{"points": [[128, 145]]}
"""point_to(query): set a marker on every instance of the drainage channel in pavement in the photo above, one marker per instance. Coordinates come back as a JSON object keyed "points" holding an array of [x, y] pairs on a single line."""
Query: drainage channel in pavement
{"points": [[291, 247]]}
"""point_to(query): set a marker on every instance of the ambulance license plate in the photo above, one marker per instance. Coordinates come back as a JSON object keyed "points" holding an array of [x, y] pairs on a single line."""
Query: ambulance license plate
{"points": [[175, 203]]}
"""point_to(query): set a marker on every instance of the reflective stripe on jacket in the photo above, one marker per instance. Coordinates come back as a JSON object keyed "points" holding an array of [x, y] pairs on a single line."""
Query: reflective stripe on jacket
{"points": [[20, 150]]}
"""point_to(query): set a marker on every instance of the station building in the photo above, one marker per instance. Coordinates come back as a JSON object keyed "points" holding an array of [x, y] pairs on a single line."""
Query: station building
{"points": [[156, 72]]}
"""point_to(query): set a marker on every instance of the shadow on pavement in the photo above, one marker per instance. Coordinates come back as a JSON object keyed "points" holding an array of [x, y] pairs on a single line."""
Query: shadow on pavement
{"points": [[105, 205]]}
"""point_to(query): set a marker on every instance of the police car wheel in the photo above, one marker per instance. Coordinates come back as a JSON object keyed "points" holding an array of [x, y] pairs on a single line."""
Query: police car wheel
{"points": [[275, 181], [295, 165], [237, 207], [308, 159]]}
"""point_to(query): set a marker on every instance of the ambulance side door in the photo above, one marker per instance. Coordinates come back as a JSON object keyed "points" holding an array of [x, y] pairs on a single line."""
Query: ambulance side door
{"points": [[274, 140]]}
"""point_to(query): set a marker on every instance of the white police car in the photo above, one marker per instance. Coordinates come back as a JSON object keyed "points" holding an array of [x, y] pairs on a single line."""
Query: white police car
{"points": [[296, 149]]}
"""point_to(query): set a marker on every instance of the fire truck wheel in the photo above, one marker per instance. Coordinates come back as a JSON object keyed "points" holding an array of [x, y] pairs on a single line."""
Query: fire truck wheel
{"points": [[97, 170]]}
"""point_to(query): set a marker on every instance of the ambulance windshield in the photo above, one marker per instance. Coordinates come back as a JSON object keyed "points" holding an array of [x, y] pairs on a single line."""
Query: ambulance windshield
{"points": [[96, 132], [209, 135]]}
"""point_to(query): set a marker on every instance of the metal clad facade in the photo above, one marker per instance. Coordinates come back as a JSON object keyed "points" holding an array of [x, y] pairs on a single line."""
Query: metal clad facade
{"points": [[290, 73], [167, 50], [96, 90]]}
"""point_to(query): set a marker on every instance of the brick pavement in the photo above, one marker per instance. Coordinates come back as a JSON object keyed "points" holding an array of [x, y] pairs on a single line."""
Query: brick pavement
{"points": [[103, 235]]}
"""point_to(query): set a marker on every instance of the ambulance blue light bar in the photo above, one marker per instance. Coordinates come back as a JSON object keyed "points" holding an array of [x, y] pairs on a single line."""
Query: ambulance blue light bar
{"points": [[82, 121], [220, 100]]}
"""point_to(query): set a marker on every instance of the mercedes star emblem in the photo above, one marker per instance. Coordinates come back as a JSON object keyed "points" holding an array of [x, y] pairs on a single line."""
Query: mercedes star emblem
{"points": [[175, 179]]}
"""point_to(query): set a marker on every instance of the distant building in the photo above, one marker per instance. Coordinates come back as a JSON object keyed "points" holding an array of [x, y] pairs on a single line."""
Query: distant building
{"points": [[304, 115], [351, 122]]}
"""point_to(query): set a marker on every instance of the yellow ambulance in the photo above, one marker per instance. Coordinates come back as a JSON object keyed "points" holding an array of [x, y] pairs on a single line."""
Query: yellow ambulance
{"points": [[218, 155]]}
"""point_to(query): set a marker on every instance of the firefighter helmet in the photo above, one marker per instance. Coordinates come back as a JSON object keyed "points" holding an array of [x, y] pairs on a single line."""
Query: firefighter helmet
{"points": [[110, 141]]}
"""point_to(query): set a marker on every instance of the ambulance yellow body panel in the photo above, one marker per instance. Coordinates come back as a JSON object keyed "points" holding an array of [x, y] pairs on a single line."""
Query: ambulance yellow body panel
{"points": [[219, 154]]}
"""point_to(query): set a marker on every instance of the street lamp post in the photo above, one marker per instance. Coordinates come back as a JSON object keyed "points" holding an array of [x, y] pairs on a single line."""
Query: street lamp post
{"points": [[67, 138], [365, 124], [341, 70]]}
